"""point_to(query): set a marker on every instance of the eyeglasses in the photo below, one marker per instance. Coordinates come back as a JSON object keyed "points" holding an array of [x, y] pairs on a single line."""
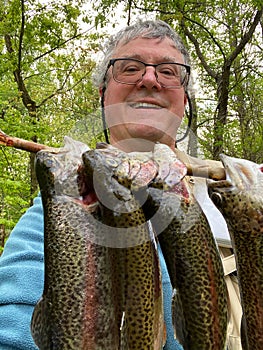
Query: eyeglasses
{"points": [[131, 71]]}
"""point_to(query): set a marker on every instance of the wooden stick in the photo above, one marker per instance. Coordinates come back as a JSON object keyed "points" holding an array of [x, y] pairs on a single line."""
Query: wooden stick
{"points": [[211, 169], [195, 167], [24, 145]]}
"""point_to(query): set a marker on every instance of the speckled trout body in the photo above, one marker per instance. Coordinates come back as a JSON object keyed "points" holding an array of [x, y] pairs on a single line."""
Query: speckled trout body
{"points": [[240, 199], [102, 287], [194, 266], [138, 275], [78, 306]]}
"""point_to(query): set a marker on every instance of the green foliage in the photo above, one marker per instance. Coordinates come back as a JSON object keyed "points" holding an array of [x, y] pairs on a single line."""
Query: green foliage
{"points": [[14, 186], [46, 46], [50, 47], [224, 61]]}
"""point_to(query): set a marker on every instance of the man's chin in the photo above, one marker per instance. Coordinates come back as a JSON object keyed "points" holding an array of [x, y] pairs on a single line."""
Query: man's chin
{"points": [[159, 118], [147, 131]]}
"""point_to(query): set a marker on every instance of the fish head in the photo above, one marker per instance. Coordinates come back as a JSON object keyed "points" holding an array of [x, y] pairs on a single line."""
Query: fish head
{"points": [[47, 165], [122, 175], [242, 177], [133, 170], [239, 196], [139, 169], [58, 171], [118, 177]]}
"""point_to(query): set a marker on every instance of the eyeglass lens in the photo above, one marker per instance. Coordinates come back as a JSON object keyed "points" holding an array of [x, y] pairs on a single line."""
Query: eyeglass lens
{"points": [[129, 71]]}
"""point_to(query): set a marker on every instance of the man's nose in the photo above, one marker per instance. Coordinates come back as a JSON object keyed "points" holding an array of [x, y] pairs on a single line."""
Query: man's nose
{"points": [[149, 79]]}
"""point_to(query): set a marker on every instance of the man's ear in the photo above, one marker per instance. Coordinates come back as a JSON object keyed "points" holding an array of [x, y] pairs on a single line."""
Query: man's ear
{"points": [[102, 89]]}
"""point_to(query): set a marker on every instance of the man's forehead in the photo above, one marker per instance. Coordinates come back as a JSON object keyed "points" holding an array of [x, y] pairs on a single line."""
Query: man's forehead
{"points": [[161, 50]]}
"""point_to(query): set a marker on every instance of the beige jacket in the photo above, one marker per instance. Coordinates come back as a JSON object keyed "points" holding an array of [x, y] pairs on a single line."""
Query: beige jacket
{"points": [[235, 310]]}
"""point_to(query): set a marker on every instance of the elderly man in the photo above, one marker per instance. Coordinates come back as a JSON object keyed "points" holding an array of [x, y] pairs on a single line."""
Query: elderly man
{"points": [[143, 83]]}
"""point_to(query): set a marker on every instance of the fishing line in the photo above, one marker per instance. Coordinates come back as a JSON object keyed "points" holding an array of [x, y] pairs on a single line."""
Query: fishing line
{"points": [[105, 130], [189, 117]]}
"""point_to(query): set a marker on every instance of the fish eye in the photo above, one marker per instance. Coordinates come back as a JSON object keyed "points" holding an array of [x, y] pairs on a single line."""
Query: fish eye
{"points": [[216, 198]]}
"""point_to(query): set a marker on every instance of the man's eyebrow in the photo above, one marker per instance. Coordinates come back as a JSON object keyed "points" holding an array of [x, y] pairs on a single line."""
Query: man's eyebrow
{"points": [[139, 57], [136, 56], [169, 59]]}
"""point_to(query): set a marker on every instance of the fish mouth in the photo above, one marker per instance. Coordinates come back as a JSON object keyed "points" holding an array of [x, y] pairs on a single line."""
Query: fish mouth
{"points": [[240, 173], [87, 194], [145, 105], [88, 201]]}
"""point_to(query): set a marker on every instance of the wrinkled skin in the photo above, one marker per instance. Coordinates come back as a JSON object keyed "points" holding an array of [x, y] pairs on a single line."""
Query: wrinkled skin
{"points": [[240, 200]]}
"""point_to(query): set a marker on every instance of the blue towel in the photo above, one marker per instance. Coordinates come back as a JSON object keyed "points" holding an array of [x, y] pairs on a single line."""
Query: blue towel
{"points": [[22, 278]]}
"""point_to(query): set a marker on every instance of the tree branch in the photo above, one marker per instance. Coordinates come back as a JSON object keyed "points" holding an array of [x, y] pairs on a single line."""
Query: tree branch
{"points": [[21, 35], [27, 101], [192, 38], [61, 87], [204, 168], [24, 145], [208, 32], [247, 36], [75, 36]]}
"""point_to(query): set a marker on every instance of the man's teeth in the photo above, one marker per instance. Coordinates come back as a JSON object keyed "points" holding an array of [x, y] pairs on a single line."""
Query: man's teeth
{"points": [[145, 105]]}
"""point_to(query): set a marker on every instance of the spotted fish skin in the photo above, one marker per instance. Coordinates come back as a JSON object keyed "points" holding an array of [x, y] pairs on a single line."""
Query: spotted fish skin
{"points": [[195, 269], [97, 295], [240, 199], [78, 307], [189, 248], [138, 274]]}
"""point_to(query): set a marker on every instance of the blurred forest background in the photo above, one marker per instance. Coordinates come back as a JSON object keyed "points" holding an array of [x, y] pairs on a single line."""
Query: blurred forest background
{"points": [[48, 51]]}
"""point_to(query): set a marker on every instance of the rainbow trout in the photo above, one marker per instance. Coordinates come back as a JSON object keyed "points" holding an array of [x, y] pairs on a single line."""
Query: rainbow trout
{"points": [[102, 285], [194, 266], [240, 199], [78, 306], [138, 276]]}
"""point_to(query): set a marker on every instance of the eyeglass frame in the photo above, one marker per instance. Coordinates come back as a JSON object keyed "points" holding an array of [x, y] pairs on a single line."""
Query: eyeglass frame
{"points": [[184, 84]]}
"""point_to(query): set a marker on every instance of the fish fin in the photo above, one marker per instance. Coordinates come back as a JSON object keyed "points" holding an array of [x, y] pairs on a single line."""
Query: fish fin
{"points": [[124, 344], [40, 325], [178, 318]]}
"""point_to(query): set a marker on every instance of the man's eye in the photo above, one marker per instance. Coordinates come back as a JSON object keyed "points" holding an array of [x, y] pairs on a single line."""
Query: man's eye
{"points": [[168, 72], [131, 69]]}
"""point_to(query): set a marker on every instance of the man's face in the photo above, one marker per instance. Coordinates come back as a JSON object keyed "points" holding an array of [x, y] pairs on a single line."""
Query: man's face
{"points": [[145, 111]]}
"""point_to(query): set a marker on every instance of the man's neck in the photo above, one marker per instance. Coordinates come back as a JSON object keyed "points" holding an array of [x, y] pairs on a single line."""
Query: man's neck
{"points": [[135, 145]]}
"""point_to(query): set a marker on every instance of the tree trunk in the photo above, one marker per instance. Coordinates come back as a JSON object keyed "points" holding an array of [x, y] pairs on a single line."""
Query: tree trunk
{"points": [[193, 139], [30, 105], [220, 117], [2, 236]]}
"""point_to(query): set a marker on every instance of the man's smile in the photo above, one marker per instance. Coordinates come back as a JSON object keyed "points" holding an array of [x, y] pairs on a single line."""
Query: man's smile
{"points": [[144, 105]]}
